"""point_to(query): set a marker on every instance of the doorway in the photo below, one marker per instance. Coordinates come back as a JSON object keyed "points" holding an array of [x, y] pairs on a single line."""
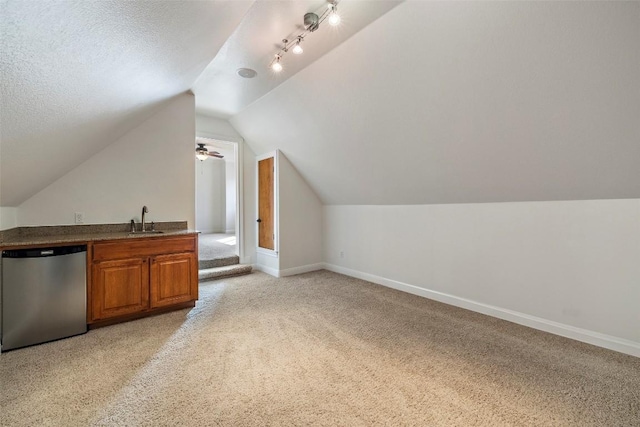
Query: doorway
{"points": [[267, 204], [217, 204]]}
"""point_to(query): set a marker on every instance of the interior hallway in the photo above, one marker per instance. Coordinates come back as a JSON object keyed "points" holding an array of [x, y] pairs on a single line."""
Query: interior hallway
{"points": [[217, 257]]}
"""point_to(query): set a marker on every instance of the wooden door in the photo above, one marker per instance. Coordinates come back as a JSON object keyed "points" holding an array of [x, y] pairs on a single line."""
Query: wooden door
{"points": [[119, 287], [266, 217], [174, 279]]}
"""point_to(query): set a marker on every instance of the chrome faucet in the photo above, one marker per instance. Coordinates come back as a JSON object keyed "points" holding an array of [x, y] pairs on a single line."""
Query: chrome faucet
{"points": [[144, 211]]}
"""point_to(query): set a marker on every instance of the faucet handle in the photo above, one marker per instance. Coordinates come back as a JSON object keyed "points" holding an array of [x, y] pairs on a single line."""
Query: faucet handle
{"points": [[153, 226], [133, 226]]}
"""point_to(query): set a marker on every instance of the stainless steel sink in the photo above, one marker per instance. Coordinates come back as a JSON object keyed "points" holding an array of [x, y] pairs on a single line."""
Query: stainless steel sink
{"points": [[134, 233]]}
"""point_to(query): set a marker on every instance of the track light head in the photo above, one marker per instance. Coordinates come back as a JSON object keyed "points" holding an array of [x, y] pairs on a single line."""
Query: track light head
{"points": [[276, 65], [297, 49], [334, 18]]}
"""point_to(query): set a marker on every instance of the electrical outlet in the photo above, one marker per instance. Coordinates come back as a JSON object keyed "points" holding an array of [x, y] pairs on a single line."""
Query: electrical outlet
{"points": [[79, 217], [341, 254]]}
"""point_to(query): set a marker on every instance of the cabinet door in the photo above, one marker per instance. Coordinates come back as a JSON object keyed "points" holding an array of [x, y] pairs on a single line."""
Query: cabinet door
{"points": [[174, 279], [119, 287]]}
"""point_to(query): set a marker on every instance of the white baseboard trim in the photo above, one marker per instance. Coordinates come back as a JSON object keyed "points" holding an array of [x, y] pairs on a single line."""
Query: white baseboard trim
{"points": [[267, 252], [211, 231], [271, 271], [245, 259], [590, 337], [289, 271], [302, 269]]}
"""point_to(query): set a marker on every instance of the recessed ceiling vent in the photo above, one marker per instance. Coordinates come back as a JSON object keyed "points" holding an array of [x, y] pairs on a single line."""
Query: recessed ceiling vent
{"points": [[247, 73]]}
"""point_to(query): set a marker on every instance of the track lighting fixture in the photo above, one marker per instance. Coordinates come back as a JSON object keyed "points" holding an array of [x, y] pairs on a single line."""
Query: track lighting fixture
{"points": [[297, 49], [312, 22]]}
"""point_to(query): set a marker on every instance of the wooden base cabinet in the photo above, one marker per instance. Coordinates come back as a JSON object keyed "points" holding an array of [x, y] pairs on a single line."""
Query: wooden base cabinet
{"points": [[135, 277], [174, 279], [119, 288]]}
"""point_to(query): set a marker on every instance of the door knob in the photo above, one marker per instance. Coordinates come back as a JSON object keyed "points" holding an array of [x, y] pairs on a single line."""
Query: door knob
{"points": [[259, 220]]}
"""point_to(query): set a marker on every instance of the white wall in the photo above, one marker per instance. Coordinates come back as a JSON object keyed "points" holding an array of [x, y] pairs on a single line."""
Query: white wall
{"points": [[230, 191], [8, 218], [211, 197], [150, 165], [249, 237], [300, 218], [298, 225], [213, 127], [556, 266]]}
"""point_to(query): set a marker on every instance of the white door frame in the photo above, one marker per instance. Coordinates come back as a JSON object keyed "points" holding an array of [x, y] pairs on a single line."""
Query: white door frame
{"points": [[276, 211], [239, 159]]}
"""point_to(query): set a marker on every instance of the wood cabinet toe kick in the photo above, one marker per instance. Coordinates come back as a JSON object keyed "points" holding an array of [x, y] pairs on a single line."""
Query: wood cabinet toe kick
{"points": [[134, 278]]}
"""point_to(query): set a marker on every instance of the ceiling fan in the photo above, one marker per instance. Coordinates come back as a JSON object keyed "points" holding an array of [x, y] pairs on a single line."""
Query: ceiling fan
{"points": [[203, 154]]}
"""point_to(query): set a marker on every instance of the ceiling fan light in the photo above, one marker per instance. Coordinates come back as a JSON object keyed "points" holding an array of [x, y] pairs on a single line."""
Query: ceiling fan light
{"points": [[201, 152]]}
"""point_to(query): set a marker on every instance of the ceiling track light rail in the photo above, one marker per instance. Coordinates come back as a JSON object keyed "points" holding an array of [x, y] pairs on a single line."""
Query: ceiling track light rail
{"points": [[312, 22]]}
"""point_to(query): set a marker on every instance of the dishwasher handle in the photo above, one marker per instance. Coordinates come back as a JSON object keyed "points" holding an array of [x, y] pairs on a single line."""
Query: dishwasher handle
{"points": [[43, 252]]}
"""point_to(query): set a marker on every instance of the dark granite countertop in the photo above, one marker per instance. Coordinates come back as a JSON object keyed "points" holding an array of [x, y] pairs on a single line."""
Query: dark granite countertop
{"points": [[54, 235]]}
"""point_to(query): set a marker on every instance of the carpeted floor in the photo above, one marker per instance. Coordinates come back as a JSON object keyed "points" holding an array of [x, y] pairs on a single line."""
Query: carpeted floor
{"points": [[317, 349], [214, 246], [216, 250]]}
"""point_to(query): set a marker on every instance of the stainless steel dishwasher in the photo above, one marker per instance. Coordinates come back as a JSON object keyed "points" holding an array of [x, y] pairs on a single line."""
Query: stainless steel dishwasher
{"points": [[44, 295]]}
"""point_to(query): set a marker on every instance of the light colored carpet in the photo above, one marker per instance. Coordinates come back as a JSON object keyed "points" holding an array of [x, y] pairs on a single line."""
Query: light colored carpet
{"points": [[216, 250], [318, 349], [206, 274]]}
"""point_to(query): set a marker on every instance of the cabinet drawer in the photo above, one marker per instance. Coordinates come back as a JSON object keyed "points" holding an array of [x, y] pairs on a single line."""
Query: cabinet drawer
{"points": [[122, 249]]}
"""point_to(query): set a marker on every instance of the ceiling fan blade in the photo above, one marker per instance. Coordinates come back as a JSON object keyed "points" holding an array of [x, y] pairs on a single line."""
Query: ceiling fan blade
{"points": [[215, 154]]}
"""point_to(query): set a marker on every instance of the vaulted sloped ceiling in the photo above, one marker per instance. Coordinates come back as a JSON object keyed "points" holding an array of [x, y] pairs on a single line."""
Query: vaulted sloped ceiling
{"points": [[221, 92], [433, 102], [461, 102], [76, 75]]}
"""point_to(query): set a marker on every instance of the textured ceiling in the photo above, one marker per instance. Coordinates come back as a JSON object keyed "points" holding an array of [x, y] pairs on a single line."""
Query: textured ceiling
{"points": [[462, 102], [222, 93], [76, 75], [421, 102]]}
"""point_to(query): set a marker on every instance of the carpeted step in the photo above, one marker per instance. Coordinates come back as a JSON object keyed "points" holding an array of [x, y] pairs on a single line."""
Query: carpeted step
{"points": [[226, 271], [218, 262]]}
